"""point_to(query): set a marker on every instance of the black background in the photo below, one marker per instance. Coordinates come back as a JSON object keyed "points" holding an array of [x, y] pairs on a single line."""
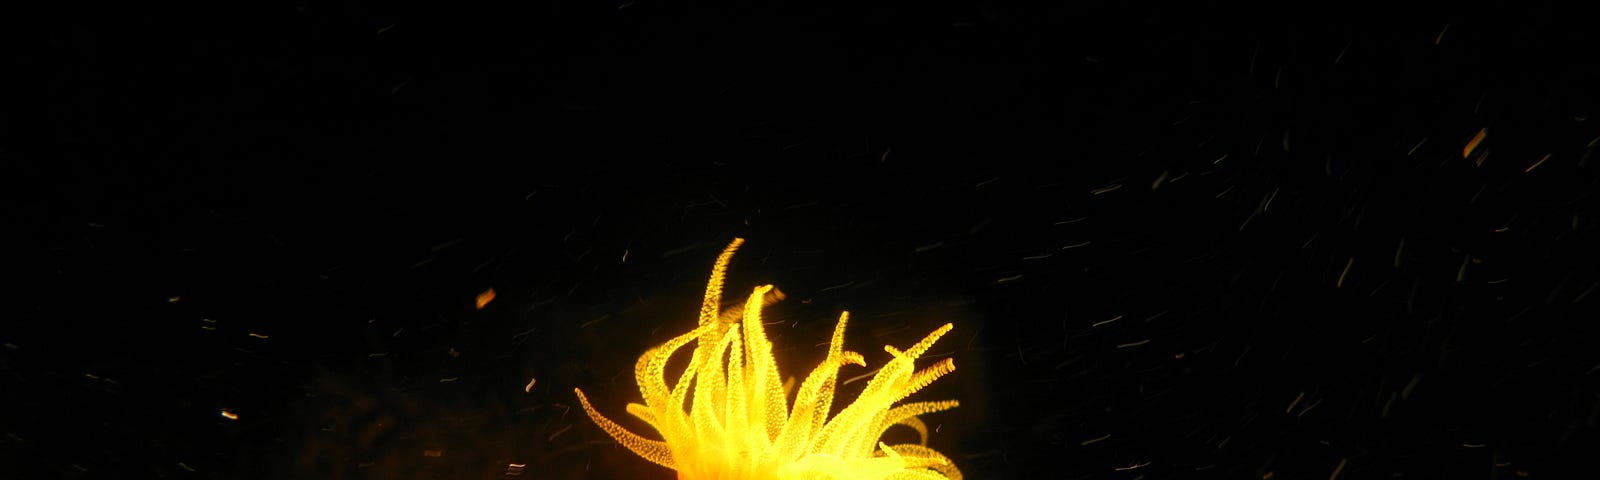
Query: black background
{"points": [[1186, 242]]}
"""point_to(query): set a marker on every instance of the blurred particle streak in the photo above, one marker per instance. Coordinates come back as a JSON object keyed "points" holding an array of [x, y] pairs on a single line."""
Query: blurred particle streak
{"points": [[485, 297]]}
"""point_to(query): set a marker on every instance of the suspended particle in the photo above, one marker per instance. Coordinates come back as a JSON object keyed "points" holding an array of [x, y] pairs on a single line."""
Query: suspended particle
{"points": [[1473, 144], [484, 298]]}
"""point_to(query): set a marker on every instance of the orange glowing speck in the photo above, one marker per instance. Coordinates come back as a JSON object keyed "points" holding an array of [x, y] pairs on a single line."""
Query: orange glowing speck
{"points": [[1537, 164], [485, 297], [229, 415], [1473, 144]]}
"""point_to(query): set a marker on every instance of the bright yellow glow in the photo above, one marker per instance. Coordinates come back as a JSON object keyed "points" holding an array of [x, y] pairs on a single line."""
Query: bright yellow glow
{"points": [[740, 426]]}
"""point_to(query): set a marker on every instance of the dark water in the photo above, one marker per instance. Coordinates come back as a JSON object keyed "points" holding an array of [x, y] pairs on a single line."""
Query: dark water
{"points": [[1175, 243]]}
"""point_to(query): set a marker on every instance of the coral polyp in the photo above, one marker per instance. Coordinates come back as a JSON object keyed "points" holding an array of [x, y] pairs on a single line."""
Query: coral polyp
{"points": [[728, 417]]}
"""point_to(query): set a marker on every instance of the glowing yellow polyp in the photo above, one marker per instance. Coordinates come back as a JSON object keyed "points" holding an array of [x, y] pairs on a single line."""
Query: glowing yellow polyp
{"points": [[727, 417]]}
